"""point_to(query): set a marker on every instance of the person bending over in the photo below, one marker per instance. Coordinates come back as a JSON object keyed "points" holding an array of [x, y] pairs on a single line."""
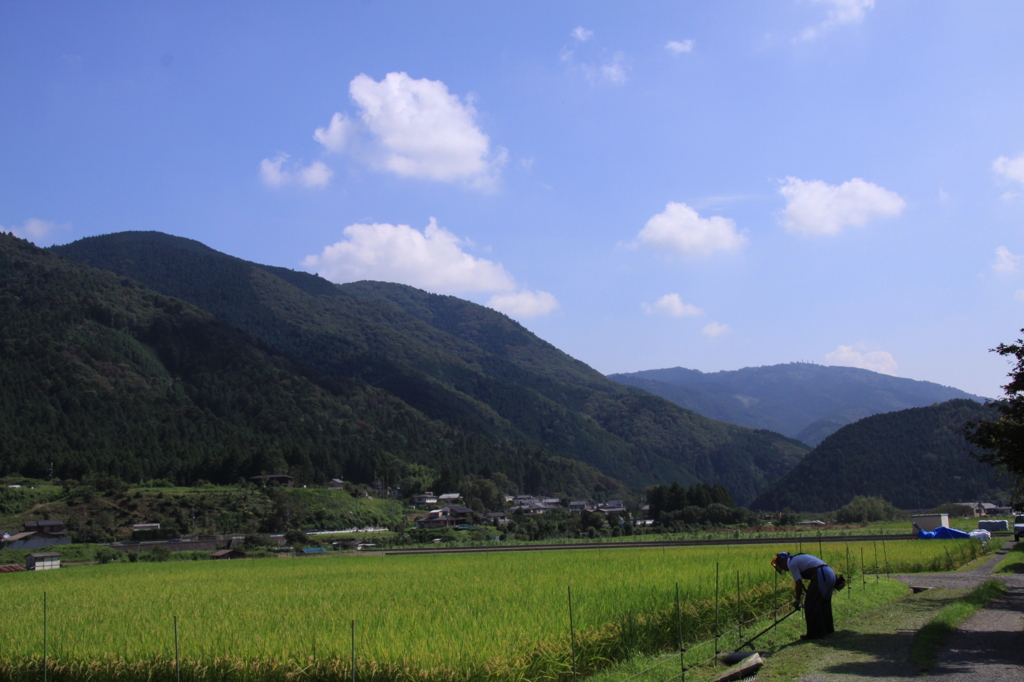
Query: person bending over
{"points": [[818, 603]]}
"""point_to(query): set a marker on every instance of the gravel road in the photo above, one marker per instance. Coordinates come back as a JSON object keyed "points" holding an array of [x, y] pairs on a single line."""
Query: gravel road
{"points": [[989, 647]]}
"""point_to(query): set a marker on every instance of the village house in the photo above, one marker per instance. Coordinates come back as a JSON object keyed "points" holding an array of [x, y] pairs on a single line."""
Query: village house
{"points": [[526, 504], [278, 479], [980, 508], [424, 500], [496, 518], [445, 517], [612, 507], [37, 534]]}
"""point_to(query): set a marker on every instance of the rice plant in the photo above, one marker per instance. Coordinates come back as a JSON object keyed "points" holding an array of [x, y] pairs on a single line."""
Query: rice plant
{"points": [[458, 617]]}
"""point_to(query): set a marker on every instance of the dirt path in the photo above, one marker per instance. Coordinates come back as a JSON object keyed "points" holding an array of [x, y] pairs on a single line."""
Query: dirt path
{"points": [[988, 647]]}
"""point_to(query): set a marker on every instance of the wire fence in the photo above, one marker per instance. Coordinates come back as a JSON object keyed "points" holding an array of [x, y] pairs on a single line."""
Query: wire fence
{"points": [[765, 623], [741, 615], [737, 637]]}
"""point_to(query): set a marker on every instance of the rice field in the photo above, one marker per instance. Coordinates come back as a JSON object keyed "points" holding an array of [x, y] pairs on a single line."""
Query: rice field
{"points": [[450, 618]]}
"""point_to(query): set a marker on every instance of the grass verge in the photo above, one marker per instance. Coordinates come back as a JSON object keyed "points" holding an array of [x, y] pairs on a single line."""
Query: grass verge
{"points": [[925, 647], [1013, 562], [845, 605]]}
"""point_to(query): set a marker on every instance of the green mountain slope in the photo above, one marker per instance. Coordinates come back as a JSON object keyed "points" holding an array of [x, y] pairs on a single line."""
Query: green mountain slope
{"points": [[99, 374], [800, 400], [916, 459], [455, 362]]}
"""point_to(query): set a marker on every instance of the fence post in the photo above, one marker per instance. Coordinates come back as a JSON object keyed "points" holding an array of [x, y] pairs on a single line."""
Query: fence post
{"points": [[45, 633], [775, 609], [848, 593], [885, 553], [716, 609], [353, 651], [875, 545], [177, 653], [820, 551], [739, 607], [682, 651], [572, 636], [863, 578]]}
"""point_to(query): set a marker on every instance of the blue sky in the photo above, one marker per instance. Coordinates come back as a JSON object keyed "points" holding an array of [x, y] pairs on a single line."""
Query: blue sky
{"points": [[644, 185]]}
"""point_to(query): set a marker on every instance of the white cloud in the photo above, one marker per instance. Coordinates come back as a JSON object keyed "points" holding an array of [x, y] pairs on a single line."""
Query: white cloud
{"points": [[523, 304], [850, 356], [679, 47], [423, 131], [614, 71], [433, 260], [39, 232], [275, 174], [714, 330], [336, 135], [673, 306], [1012, 169], [270, 171], [1005, 261], [839, 12], [1018, 295], [679, 228], [582, 34], [316, 174], [814, 207]]}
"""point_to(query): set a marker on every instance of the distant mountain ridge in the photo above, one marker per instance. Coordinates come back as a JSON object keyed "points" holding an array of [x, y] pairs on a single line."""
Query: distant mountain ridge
{"points": [[804, 401], [456, 364], [915, 459]]}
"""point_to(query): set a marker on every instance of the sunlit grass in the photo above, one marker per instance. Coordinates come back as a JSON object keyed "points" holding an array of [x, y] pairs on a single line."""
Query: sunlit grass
{"points": [[443, 617]]}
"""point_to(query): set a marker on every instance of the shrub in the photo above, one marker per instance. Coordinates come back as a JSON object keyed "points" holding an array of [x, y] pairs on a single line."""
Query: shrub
{"points": [[868, 509], [296, 538]]}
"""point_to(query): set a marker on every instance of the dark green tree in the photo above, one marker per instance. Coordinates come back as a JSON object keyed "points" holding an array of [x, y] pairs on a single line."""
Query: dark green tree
{"points": [[1001, 441]]}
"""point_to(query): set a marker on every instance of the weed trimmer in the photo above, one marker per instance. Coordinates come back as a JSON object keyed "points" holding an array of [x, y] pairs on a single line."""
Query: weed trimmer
{"points": [[751, 640]]}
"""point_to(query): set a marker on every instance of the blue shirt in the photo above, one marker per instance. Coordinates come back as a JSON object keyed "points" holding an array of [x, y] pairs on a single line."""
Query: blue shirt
{"points": [[801, 562]]}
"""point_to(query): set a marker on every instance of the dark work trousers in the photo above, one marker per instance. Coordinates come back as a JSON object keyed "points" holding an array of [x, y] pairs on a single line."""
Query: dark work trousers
{"points": [[818, 603]]}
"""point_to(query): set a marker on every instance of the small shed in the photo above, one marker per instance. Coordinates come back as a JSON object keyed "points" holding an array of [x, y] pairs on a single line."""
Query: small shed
{"points": [[228, 554], [42, 561], [930, 522]]}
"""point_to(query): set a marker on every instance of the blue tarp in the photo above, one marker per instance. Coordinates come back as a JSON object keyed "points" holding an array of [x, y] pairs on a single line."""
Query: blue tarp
{"points": [[942, 533]]}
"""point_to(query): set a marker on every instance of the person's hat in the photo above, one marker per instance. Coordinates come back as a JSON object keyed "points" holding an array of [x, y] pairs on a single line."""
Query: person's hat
{"points": [[776, 560]]}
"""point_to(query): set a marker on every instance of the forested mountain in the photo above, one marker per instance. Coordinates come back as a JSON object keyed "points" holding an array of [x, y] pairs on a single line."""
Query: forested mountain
{"points": [[100, 374], [459, 366], [915, 459], [800, 400]]}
